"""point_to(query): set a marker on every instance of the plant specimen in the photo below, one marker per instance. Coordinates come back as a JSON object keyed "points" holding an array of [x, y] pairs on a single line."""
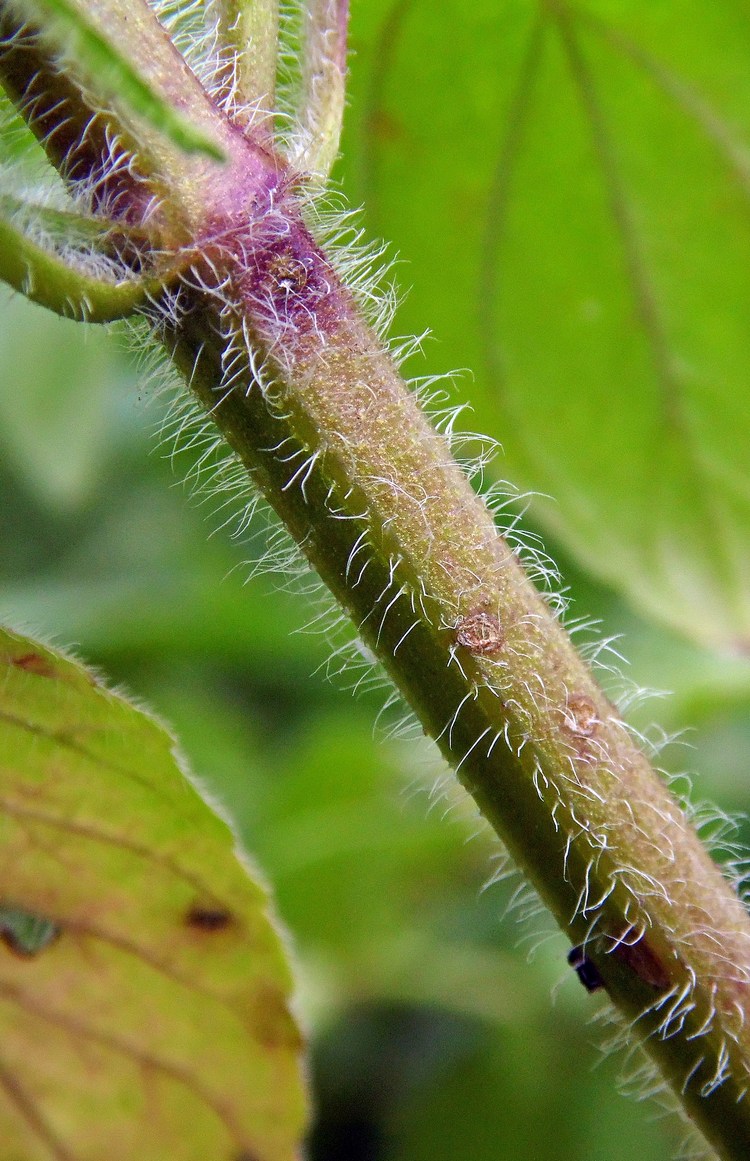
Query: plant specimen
{"points": [[191, 204]]}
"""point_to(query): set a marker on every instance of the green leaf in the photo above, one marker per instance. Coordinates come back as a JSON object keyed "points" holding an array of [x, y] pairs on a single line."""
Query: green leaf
{"points": [[20, 149], [143, 987], [570, 185], [55, 372], [66, 23]]}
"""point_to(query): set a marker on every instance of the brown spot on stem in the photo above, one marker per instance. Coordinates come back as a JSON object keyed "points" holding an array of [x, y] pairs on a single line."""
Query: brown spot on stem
{"points": [[480, 633], [581, 717], [641, 958], [289, 273], [208, 918]]}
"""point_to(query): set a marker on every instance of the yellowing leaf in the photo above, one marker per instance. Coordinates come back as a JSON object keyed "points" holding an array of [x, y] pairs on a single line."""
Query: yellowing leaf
{"points": [[143, 987]]}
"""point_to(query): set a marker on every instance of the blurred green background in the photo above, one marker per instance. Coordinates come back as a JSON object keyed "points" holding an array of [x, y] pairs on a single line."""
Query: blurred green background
{"points": [[568, 198]]}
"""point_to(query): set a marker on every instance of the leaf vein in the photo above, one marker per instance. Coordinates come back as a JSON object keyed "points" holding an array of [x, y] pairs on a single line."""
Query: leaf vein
{"points": [[176, 1072], [31, 1114]]}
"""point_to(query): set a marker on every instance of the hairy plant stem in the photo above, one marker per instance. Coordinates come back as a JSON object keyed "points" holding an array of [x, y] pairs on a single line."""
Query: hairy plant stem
{"points": [[273, 345]]}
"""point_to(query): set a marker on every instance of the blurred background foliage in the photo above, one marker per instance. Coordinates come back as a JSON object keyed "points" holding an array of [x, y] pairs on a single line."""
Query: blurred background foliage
{"points": [[568, 193]]}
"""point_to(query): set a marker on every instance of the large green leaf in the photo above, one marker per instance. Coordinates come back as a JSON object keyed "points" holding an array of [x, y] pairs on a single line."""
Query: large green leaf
{"points": [[53, 378], [143, 987], [571, 187]]}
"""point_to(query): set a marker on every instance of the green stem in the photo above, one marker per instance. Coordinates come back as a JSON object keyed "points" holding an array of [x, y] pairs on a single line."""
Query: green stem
{"points": [[323, 96], [382, 513], [275, 349], [248, 33], [59, 283], [67, 26]]}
